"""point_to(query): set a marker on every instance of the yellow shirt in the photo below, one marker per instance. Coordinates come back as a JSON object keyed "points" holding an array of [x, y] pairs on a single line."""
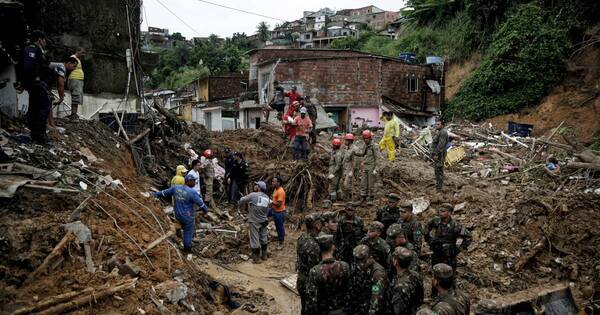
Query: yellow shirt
{"points": [[77, 73]]}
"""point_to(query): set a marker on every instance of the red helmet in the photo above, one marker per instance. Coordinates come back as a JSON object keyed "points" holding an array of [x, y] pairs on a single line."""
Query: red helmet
{"points": [[336, 143], [366, 134], [349, 136], [207, 154]]}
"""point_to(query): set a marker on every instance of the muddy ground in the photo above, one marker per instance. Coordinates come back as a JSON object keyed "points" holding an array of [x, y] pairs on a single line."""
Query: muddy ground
{"points": [[509, 221]]}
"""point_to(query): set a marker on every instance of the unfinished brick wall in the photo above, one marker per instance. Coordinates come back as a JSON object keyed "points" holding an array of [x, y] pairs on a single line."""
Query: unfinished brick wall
{"points": [[358, 81], [220, 87]]}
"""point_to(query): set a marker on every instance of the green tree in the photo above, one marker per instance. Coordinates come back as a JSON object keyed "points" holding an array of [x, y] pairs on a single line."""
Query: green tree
{"points": [[524, 60], [262, 30]]}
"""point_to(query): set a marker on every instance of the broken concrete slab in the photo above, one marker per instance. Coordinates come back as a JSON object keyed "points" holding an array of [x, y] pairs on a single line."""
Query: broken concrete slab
{"points": [[24, 169], [420, 204], [174, 291], [81, 231], [9, 185]]}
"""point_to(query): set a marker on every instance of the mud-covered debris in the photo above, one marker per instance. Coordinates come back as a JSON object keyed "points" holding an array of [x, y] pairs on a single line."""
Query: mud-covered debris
{"points": [[172, 290]]}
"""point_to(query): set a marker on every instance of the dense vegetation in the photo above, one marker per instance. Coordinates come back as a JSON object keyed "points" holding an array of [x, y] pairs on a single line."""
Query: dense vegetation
{"points": [[184, 62], [524, 44]]}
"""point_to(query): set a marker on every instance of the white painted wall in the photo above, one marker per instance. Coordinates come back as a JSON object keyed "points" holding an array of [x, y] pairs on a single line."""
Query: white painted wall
{"points": [[216, 122]]}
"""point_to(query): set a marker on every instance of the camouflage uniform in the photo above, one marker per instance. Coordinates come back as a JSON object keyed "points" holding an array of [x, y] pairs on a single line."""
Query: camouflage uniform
{"points": [[335, 169], [379, 249], [406, 291], [208, 175], [388, 216], [350, 233], [452, 301], [348, 168], [392, 232], [369, 282], [414, 232], [438, 151], [442, 238], [371, 157], [327, 286], [308, 256]]}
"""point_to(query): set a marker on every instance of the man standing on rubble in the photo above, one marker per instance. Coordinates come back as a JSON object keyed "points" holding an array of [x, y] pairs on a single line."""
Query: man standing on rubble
{"points": [[75, 82], [277, 101], [257, 220], [369, 166], [446, 237], [238, 177], [411, 225], [396, 237], [406, 292], [208, 176], [179, 178], [348, 167], [449, 300], [184, 198], [350, 232], [303, 127], [378, 248], [278, 210], [438, 152], [33, 76], [328, 282], [293, 95], [308, 255], [335, 170], [196, 172], [59, 71], [391, 132], [369, 283], [390, 213], [312, 114]]}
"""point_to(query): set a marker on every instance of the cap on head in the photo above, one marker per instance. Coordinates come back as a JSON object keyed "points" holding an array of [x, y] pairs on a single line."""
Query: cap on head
{"points": [[312, 218], [366, 134], [349, 206], [190, 177], [361, 252], [488, 307], [394, 197], [425, 311], [349, 136], [325, 241], [376, 226], [394, 230], [442, 271], [402, 254], [181, 169], [303, 110], [446, 207], [207, 154], [37, 34], [261, 185]]}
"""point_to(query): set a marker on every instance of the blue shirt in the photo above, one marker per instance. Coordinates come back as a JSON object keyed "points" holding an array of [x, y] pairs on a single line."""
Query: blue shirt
{"points": [[184, 198]]}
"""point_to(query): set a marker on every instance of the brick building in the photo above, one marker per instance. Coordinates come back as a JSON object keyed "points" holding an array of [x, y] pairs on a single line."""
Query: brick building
{"points": [[354, 87]]}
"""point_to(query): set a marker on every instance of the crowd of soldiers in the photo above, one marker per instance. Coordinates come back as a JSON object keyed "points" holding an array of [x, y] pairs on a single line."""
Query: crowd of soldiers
{"points": [[347, 268]]}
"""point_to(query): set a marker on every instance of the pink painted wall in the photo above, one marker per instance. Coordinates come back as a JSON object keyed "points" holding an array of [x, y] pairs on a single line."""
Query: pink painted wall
{"points": [[359, 114]]}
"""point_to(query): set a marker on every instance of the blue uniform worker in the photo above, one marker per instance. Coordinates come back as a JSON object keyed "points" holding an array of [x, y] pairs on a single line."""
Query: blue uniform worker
{"points": [[184, 198]]}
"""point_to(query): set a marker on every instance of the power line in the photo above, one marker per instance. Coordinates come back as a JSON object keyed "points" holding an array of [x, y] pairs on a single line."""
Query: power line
{"points": [[180, 19], [240, 10]]}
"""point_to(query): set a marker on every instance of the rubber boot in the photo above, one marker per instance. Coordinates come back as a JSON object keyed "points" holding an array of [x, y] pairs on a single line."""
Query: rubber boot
{"points": [[255, 255], [263, 253]]}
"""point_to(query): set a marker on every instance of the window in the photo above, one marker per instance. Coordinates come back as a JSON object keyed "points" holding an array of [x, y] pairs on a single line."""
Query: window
{"points": [[307, 36], [412, 83]]}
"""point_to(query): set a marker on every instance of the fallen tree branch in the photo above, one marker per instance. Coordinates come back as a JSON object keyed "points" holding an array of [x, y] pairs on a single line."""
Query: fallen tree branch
{"points": [[89, 298], [581, 165], [52, 301], [507, 155], [58, 249], [140, 136]]}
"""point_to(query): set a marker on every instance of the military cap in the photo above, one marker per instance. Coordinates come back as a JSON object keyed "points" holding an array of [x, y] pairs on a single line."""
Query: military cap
{"points": [[349, 206], [325, 240], [329, 216], [312, 218], [446, 206], [376, 226], [394, 230], [425, 311], [442, 271], [393, 196], [402, 253], [361, 252]]}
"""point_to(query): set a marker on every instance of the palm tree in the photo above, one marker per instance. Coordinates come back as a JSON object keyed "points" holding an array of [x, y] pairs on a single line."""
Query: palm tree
{"points": [[262, 30]]}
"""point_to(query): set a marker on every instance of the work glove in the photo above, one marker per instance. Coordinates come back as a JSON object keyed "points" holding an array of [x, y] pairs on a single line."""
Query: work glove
{"points": [[374, 172], [331, 176], [145, 194]]}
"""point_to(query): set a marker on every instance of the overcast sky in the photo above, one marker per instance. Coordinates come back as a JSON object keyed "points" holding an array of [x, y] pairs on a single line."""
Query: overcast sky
{"points": [[205, 19]]}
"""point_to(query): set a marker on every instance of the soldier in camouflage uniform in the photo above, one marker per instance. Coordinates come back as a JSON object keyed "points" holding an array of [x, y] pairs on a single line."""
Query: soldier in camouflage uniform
{"points": [[371, 158], [446, 237], [335, 170], [449, 300], [406, 291], [438, 152], [350, 232], [379, 249], [330, 227], [414, 232], [328, 282], [396, 237], [348, 167], [390, 213], [308, 255], [369, 283]]}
